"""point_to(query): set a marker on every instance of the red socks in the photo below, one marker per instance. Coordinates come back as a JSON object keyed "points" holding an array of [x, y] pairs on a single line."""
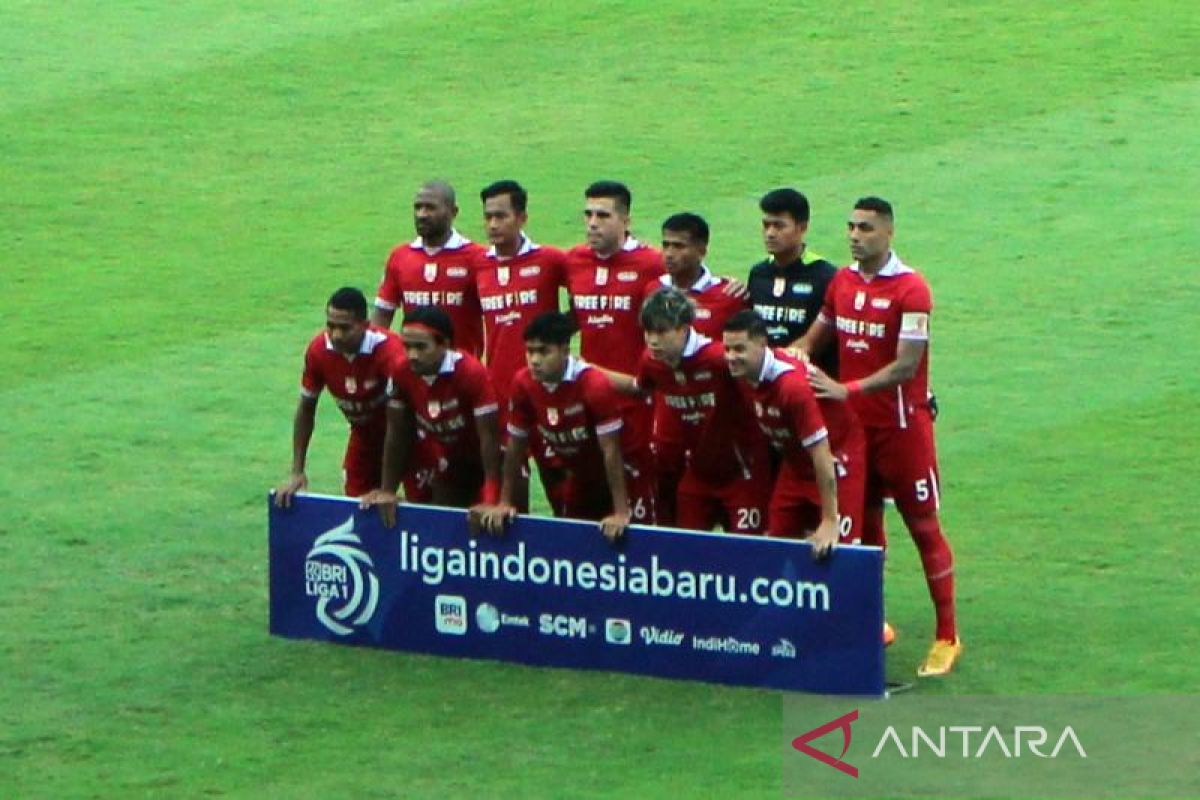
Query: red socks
{"points": [[939, 570]]}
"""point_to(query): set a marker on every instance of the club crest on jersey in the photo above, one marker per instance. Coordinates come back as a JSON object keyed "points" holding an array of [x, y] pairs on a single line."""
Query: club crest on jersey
{"points": [[430, 271], [778, 288], [552, 415], [680, 378], [503, 274], [758, 408], [860, 300], [435, 409], [601, 276], [351, 384]]}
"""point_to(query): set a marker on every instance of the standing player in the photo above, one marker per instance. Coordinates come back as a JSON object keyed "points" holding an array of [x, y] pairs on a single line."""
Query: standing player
{"points": [[821, 480], [607, 278], [726, 479], [351, 359], [787, 289], [435, 269], [577, 412], [878, 311], [448, 394], [516, 280]]}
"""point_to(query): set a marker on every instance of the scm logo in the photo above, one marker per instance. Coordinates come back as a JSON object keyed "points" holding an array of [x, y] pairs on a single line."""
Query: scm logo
{"points": [[562, 625]]}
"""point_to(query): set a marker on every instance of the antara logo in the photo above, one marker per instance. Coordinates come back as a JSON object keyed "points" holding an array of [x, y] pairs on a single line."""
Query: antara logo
{"points": [[842, 723]]}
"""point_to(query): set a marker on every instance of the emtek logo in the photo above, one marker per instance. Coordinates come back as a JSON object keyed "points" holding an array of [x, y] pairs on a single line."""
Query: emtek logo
{"points": [[341, 575], [562, 625], [450, 614]]}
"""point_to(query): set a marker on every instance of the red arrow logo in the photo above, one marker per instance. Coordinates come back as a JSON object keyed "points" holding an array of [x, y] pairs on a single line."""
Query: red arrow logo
{"points": [[842, 723]]}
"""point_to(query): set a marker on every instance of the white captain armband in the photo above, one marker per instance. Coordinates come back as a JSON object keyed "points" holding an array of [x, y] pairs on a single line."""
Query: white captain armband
{"points": [[914, 325]]}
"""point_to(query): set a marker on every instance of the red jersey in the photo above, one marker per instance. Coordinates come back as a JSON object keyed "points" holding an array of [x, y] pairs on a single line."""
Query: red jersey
{"points": [[713, 306], [512, 291], [447, 404], [444, 277], [569, 415], [606, 294], [706, 407], [357, 383], [871, 317], [786, 409]]}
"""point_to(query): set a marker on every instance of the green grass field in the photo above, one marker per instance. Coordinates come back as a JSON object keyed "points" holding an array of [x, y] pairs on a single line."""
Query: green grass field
{"points": [[184, 186]]}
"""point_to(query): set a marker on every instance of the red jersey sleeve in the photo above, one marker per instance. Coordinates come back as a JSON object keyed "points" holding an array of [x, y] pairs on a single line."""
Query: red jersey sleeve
{"points": [[827, 313], [521, 414], [399, 393], [477, 388], [600, 399], [803, 411], [388, 297], [312, 380], [645, 374]]}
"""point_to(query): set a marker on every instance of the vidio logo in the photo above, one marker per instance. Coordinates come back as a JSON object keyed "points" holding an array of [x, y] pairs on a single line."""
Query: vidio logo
{"points": [[342, 576]]}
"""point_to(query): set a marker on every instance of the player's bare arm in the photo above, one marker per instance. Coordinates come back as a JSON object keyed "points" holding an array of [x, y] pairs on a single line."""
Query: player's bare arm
{"points": [[397, 452], [625, 384], [493, 518], [613, 526], [736, 289], [302, 430], [826, 534], [382, 317], [818, 336], [493, 487], [899, 370]]}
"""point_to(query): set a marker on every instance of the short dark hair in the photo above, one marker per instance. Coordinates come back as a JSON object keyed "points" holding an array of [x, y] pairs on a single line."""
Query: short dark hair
{"points": [[747, 321], [349, 299], [691, 224], [434, 318], [785, 201], [443, 189], [553, 327], [614, 189], [515, 191], [667, 309], [877, 204]]}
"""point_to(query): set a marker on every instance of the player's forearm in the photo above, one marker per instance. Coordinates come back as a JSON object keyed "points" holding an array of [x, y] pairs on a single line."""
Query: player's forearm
{"points": [[818, 336], [489, 456], [397, 449], [614, 470], [826, 476], [302, 430], [625, 384], [514, 457], [382, 317]]}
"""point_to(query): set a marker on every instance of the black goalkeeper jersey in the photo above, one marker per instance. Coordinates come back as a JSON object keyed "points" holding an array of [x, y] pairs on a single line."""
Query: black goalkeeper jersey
{"points": [[789, 299]]}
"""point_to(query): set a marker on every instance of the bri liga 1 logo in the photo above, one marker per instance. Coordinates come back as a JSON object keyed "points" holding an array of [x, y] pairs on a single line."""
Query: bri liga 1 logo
{"points": [[341, 575]]}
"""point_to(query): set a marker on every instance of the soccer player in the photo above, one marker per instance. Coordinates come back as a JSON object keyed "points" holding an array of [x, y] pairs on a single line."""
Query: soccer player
{"points": [[878, 310], [577, 411], [517, 280], [607, 278], [352, 359], [435, 269], [727, 478], [787, 289], [684, 246], [448, 394], [819, 488]]}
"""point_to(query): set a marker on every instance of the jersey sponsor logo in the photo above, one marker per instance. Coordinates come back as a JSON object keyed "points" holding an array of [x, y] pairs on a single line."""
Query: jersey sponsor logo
{"points": [[571, 410], [783, 314], [880, 302], [860, 300], [858, 345], [431, 272], [860, 327], [602, 302], [341, 575], [802, 288], [704, 375], [529, 272], [369, 384], [627, 277], [456, 272]]}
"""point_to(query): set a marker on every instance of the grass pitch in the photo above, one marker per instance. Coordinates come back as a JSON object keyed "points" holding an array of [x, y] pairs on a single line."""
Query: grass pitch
{"points": [[183, 187]]}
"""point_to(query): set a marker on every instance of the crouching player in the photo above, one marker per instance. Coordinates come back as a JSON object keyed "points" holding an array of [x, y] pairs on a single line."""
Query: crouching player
{"points": [[448, 394], [577, 413], [352, 359], [818, 493]]}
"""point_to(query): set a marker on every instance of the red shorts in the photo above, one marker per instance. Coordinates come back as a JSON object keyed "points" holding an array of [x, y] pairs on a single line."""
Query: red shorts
{"points": [[737, 504], [588, 496], [795, 507], [902, 464], [362, 466], [427, 463]]}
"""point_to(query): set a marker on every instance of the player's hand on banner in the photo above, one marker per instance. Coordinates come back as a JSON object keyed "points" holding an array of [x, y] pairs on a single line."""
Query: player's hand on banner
{"points": [[933, 406], [825, 387], [613, 526], [386, 501], [490, 519], [823, 539], [296, 482], [736, 289]]}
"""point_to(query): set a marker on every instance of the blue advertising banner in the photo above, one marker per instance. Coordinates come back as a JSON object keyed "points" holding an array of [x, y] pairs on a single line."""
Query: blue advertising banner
{"points": [[676, 604]]}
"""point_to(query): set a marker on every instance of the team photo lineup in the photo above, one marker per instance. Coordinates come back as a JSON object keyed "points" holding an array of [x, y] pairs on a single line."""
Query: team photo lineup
{"points": [[793, 402]]}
